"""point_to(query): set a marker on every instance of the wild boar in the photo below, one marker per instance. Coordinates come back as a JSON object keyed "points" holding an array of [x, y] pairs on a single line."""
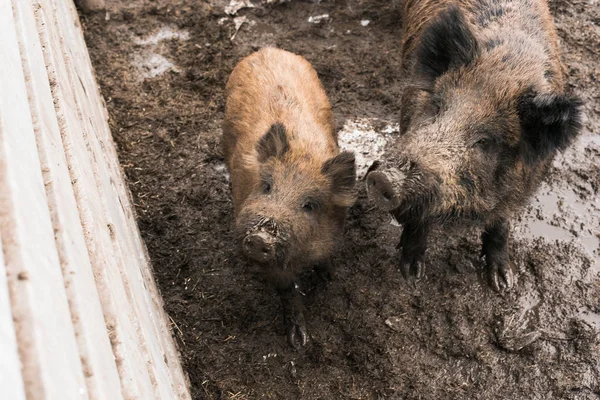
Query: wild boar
{"points": [[484, 111], [291, 186]]}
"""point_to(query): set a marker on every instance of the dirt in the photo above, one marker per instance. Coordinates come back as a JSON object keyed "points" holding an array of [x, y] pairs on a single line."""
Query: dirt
{"points": [[162, 67]]}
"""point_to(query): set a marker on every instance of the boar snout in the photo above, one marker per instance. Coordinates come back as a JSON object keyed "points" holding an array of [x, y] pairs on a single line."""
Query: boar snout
{"points": [[384, 186], [259, 246]]}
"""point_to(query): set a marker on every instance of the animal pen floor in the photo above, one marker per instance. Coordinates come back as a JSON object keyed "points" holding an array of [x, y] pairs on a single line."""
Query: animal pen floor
{"points": [[162, 66]]}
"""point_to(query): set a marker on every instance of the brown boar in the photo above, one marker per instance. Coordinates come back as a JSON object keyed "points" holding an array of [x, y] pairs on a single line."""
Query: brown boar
{"points": [[484, 111], [291, 186]]}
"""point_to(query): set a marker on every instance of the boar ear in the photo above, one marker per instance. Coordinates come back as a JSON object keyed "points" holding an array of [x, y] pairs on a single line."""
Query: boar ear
{"points": [[342, 172], [447, 43], [273, 144], [549, 123]]}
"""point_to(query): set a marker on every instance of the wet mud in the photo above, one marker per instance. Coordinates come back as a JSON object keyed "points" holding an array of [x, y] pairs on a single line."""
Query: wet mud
{"points": [[162, 67]]}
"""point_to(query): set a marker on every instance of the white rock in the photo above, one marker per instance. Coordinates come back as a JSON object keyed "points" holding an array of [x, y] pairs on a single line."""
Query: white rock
{"points": [[318, 18]]}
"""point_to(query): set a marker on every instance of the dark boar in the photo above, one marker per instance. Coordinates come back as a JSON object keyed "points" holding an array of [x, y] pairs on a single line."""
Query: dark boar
{"points": [[484, 111], [291, 186]]}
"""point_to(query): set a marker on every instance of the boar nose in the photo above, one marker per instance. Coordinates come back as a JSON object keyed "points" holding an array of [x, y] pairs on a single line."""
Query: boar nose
{"points": [[384, 187], [260, 246]]}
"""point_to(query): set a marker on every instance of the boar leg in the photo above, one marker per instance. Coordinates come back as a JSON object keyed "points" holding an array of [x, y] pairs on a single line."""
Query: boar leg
{"points": [[495, 250], [414, 243], [324, 270], [293, 315]]}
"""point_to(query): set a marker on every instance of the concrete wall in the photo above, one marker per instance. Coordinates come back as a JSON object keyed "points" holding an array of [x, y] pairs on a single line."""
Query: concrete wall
{"points": [[80, 315]]}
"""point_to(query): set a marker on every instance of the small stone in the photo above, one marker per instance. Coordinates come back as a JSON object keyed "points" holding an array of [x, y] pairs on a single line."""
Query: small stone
{"points": [[394, 323]]}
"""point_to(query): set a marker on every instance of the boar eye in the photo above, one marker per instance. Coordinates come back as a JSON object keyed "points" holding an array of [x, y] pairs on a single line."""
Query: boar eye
{"points": [[483, 143], [309, 206], [266, 186], [436, 103], [432, 108]]}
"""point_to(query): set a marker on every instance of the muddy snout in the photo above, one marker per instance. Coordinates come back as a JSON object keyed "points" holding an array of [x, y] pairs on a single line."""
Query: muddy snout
{"points": [[259, 246], [384, 186]]}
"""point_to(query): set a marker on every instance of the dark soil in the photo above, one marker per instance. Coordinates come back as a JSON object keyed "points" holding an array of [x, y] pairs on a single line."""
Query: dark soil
{"points": [[373, 336]]}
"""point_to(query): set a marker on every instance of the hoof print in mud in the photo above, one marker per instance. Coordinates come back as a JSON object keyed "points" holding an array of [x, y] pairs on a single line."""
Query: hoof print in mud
{"points": [[513, 332]]}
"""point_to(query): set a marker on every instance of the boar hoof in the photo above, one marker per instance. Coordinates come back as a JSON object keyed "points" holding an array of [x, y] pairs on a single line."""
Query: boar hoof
{"points": [[324, 272], [412, 269], [296, 334], [500, 276]]}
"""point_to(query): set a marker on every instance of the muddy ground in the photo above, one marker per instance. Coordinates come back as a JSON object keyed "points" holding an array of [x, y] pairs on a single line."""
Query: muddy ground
{"points": [[162, 66]]}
